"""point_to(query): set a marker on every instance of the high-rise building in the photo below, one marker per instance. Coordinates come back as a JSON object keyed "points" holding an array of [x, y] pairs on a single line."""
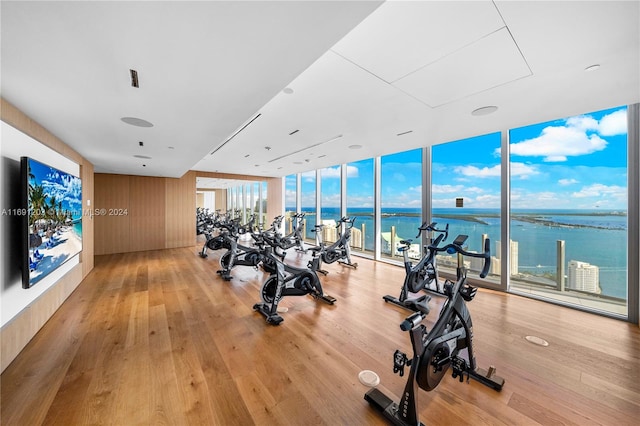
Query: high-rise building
{"points": [[583, 276], [513, 249]]}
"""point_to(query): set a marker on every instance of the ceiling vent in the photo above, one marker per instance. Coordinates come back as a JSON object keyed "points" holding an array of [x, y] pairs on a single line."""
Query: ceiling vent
{"points": [[134, 78]]}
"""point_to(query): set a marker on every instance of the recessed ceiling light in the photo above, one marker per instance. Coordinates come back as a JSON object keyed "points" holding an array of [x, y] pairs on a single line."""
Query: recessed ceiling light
{"points": [[287, 90], [143, 156], [592, 67], [139, 122], [297, 162], [355, 146], [484, 110]]}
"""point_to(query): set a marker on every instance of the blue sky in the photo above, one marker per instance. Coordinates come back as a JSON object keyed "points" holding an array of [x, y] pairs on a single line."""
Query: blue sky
{"points": [[574, 163], [64, 187]]}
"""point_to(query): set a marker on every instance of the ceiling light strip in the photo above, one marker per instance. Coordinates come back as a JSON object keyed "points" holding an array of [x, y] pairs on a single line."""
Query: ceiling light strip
{"points": [[305, 148], [404, 133], [235, 134]]}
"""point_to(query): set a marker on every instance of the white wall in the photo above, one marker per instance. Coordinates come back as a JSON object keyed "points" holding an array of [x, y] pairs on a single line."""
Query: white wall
{"points": [[210, 200], [15, 144]]}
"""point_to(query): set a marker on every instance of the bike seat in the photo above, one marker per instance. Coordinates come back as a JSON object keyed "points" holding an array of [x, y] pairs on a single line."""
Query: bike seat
{"points": [[419, 304], [406, 242]]}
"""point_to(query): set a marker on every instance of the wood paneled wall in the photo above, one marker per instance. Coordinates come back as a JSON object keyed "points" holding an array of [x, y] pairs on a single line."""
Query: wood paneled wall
{"points": [[140, 213], [112, 231], [20, 330], [180, 211]]}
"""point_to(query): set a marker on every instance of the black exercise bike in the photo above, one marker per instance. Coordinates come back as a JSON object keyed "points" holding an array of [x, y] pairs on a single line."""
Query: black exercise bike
{"points": [[339, 251], [287, 281], [421, 276], [296, 237], [435, 351], [241, 255]]}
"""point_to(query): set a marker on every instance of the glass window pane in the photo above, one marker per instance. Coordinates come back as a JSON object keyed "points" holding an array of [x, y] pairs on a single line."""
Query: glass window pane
{"points": [[330, 202], [465, 195], [360, 204], [569, 210], [290, 198], [263, 202], [308, 203], [401, 200]]}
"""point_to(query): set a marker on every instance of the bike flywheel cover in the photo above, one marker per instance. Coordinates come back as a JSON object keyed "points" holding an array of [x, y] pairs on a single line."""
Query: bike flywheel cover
{"points": [[428, 375]]}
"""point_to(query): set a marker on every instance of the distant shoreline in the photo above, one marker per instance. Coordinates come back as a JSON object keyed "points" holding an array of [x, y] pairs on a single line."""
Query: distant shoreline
{"points": [[527, 217]]}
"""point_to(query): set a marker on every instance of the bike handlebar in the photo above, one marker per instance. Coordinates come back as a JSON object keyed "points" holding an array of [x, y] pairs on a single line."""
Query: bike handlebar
{"points": [[454, 248], [432, 227], [346, 219]]}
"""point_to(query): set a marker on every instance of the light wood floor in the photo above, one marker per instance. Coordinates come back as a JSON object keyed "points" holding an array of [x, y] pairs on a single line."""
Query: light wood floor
{"points": [[158, 338]]}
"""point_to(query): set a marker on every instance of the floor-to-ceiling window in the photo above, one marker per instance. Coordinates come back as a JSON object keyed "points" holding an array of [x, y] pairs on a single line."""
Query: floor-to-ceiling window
{"points": [[400, 201], [330, 202], [361, 204], [565, 203], [263, 201], [290, 200], [569, 210], [465, 194], [308, 203]]}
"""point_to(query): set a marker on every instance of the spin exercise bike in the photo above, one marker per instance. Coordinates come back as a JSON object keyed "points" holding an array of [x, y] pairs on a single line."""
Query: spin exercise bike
{"points": [[287, 281], [240, 255], [421, 275], [295, 238], [339, 251], [435, 351]]}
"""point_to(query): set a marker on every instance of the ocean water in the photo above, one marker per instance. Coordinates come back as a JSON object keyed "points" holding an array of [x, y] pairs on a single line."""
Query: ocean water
{"points": [[77, 229], [593, 236]]}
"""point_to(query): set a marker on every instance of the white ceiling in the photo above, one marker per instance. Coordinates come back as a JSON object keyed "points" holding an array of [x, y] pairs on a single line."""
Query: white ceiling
{"points": [[360, 73]]}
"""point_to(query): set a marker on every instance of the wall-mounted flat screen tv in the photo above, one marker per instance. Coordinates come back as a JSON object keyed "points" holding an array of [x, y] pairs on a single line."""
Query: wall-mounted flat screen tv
{"points": [[52, 223]]}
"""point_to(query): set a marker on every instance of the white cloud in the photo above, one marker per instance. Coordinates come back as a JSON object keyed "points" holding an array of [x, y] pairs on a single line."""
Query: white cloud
{"points": [[522, 170], [556, 143], [478, 172], [599, 190], [330, 172], [583, 122], [565, 182], [334, 172], [614, 123], [579, 136], [446, 189]]}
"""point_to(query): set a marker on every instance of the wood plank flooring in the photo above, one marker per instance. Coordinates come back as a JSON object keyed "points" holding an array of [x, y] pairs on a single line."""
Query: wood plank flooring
{"points": [[155, 338]]}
